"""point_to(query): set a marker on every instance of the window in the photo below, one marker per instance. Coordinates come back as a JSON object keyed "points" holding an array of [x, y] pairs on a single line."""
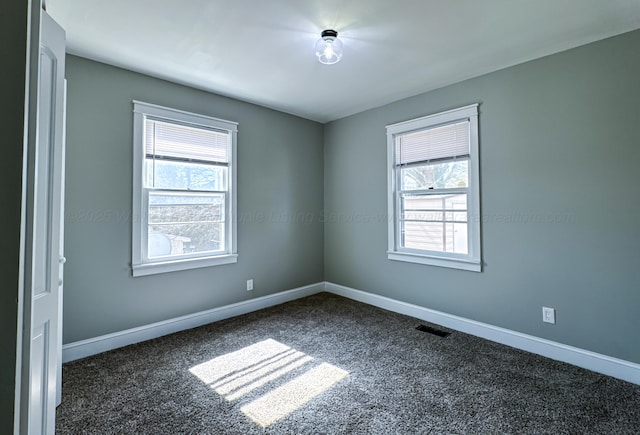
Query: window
{"points": [[434, 192], [184, 201]]}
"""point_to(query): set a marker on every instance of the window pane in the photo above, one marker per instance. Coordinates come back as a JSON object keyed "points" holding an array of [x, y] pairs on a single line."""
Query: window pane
{"points": [[432, 236], [435, 223], [182, 224], [444, 175], [439, 203], [166, 174]]}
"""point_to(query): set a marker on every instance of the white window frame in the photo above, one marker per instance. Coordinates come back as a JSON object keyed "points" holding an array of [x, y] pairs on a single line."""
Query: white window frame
{"points": [[141, 265], [471, 261]]}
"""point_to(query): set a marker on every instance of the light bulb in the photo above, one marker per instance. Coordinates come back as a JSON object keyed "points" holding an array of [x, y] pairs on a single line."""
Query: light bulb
{"points": [[328, 50]]}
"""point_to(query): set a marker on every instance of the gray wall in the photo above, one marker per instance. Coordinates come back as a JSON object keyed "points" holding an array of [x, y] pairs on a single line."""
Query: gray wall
{"points": [[559, 145], [280, 196], [13, 51], [560, 203]]}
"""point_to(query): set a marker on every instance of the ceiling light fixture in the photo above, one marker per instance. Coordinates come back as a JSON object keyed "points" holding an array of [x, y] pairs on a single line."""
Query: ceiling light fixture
{"points": [[329, 47]]}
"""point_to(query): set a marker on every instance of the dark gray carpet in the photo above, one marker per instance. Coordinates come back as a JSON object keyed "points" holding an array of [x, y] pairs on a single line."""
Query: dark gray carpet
{"points": [[325, 364]]}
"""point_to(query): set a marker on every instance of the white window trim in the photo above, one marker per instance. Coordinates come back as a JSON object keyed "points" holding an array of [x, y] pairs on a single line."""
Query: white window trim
{"points": [[472, 261], [140, 267]]}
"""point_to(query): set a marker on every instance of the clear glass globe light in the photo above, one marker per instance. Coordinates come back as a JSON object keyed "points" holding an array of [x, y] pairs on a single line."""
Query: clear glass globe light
{"points": [[329, 49]]}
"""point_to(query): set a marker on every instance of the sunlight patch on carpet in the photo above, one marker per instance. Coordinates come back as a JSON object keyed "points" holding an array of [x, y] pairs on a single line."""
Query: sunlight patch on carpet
{"points": [[262, 376], [232, 363], [285, 399], [236, 374]]}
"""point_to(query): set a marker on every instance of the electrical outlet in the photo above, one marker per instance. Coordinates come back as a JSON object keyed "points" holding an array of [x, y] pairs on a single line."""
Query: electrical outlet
{"points": [[249, 285], [548, 315]]}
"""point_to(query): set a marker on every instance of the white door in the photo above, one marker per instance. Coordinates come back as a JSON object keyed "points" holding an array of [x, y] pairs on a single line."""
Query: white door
{"points": [[44, 241]]}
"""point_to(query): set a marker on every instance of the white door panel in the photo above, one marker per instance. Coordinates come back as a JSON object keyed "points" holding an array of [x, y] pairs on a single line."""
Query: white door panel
{"points": [[39, 375], [44, 246]]}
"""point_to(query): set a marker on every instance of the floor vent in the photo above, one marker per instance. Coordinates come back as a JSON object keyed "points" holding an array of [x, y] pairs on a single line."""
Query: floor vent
{"points": [[434, 331]]}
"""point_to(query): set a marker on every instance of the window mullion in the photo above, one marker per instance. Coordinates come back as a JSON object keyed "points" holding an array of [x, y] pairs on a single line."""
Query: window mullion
{"points": [[447, 191], [186, 191]]}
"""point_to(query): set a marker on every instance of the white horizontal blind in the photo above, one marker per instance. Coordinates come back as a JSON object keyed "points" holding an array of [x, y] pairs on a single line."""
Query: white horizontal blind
{"points": [[446, 141], [183, 142]]}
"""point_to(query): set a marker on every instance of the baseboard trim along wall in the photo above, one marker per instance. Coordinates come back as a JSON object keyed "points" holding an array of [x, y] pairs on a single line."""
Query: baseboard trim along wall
{"points": [[596, 362], [94, 346]]}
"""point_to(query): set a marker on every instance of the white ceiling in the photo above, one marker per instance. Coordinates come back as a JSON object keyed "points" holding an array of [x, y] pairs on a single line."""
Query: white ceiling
{"points": [[262, 51]]}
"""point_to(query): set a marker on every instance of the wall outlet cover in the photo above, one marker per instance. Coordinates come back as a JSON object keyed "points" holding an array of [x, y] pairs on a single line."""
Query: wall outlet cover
{"points": [[548, 315], [249, 285]]}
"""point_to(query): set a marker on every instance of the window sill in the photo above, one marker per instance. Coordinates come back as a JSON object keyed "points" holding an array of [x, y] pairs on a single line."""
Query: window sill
{"points": [[472, 266], [186, 264]]}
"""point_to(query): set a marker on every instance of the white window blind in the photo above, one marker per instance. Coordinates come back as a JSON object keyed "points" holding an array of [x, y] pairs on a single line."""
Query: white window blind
{"points": [[182, 142], [447, 141]]}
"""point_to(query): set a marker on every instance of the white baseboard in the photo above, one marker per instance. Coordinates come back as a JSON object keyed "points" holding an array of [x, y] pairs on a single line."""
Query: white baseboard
{"points": [[93, 346], [604, 364], [596, 362]]}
